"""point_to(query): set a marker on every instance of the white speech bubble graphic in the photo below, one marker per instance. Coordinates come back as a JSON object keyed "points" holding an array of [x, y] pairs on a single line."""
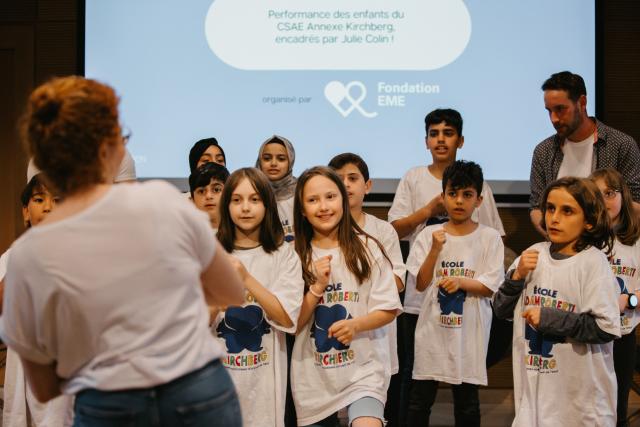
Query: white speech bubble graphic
{"points": [[338, 34]]}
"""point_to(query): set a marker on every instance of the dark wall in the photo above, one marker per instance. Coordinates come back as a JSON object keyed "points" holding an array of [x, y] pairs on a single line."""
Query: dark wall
{"points": [[40, 39]]}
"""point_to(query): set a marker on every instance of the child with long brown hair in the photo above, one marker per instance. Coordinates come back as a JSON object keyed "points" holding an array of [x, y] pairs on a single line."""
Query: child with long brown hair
{"points": [[625, 261], [351, 294], [563, 299], [254, 333]]}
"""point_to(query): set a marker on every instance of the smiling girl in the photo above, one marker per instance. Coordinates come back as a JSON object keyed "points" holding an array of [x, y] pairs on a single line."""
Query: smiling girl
{"points": [[351, 295], [563, 299], [254, 333]]}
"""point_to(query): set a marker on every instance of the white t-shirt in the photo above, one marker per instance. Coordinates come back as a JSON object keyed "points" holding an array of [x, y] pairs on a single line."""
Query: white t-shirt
{"points": [[113, 293], [558, 378], [327, 375], [624, 264], [452, 333], [17, 395], [417, 188], [387, 236], [285, 212], [578, 158], [256, 347]]}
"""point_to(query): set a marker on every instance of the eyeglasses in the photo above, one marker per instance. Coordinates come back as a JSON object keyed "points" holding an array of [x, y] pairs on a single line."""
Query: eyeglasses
{"points": [[609, 194], [126, 135]]}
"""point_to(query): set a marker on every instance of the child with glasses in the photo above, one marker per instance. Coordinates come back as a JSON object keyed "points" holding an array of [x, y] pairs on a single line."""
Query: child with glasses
{"points": [[625, 261]]}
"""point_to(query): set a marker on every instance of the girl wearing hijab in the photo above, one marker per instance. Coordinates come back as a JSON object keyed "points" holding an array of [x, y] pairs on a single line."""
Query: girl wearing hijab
{"points": [[276, 158]]}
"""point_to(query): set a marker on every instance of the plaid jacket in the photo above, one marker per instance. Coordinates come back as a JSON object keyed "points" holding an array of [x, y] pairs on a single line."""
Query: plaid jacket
{"points": [[613, 149]]}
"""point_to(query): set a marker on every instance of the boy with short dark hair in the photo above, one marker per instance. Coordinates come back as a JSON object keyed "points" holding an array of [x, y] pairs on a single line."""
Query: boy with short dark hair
{"points": [[354, 172], [418, 203], [19, 402], [206, 184], [458, 265]]}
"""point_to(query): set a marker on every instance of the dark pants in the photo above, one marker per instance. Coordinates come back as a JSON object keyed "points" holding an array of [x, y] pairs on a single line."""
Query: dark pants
{"points": [[624, 360], [392, 407], [407, 328], [500, 340], [205, 397], [290, 417], [466, 405]]}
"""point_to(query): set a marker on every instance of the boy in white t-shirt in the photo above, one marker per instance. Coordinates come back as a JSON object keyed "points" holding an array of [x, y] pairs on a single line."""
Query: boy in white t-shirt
{"points": [[458, 265], [206, 184], [418, 203], [354, 172], [21, 408]]}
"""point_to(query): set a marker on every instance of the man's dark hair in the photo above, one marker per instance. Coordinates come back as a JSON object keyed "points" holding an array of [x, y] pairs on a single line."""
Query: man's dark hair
{"points": [[447, 115], [573, 84], [199, 148], [341, 160], [463, 174], [202, 176]]}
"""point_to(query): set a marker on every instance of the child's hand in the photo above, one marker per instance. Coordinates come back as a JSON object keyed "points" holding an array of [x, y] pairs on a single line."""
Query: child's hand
{"points": [[528, 262], [322, 270], [240, 268], [532, 316], [344, 330], [439, 238], [450, 284], [436, 206]]}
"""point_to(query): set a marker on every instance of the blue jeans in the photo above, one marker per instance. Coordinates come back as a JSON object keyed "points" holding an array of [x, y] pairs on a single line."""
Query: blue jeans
{"points": [[204, 397]]}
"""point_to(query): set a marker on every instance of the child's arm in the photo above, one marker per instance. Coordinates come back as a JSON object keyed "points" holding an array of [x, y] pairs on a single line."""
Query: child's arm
{"points": [[345, 330], [578, 326], [405, 226], [471, 286], [268, 301], [425, 274], [506, 299], [598, 321], [399, 286], [323, 271]]}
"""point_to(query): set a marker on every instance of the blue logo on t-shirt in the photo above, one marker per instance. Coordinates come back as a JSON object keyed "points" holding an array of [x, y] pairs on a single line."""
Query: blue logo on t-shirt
{"points": [[451, 302], [324, 317], [243, 328], [623, 287], [539, 343]]}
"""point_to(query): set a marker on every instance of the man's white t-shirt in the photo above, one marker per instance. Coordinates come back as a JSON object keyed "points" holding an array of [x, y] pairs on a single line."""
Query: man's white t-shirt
{"points": [[285, 212], [558, 378], [577, 158], [387, 236], [256, 356], [625, 262], [327, 375], [452, 333], [113, 293], [417, 188]]}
